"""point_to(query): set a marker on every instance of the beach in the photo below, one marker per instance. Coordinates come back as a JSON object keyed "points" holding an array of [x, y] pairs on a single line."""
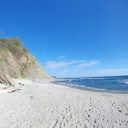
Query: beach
{"points": [[42, 104]]}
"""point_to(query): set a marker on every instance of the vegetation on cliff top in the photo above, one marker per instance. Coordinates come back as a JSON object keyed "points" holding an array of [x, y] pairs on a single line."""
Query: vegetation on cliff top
{"points": [[14, 45]]}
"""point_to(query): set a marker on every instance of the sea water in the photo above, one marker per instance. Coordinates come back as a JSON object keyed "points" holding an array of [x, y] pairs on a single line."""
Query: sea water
{"points": [[111, 83]]}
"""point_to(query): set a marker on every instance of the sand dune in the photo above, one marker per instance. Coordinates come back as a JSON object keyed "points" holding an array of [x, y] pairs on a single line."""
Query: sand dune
{"points": [[41, 104]]}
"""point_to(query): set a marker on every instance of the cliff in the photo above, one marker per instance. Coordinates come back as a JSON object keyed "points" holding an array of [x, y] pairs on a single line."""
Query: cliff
{"points": [[16, 62]]}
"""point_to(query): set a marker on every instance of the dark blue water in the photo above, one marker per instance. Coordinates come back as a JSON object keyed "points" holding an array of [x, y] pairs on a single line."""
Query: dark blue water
{"points": [[111, 83]]}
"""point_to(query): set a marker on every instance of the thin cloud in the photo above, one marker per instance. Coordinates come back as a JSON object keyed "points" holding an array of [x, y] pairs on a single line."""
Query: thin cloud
{"points": [[89, 64], [74, 63], [123, 60], [85, 73], [57, 64], [107, 72], [61, 57]]}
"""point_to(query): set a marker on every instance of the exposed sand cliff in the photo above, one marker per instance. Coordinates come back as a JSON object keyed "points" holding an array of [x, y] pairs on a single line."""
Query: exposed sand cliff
{"points": [[16, 62]]}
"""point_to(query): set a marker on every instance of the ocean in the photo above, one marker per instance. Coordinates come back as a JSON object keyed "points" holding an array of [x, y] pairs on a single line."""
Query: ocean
{"points": [[109, 83]]}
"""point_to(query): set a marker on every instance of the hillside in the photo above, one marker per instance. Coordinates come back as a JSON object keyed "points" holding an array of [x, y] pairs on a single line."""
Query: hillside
{"points": [[16, 62]]}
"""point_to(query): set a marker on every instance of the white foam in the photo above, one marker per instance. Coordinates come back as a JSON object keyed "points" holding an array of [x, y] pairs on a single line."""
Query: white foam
{"points": [[124, 82]]}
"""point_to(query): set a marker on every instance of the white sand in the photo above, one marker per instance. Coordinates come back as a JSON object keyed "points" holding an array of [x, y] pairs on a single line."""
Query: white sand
{"points": [[55, 106]]}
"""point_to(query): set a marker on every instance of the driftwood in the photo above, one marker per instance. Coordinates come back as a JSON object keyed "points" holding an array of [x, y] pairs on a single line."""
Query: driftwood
{"points": [[14, 90], [20, 84]]}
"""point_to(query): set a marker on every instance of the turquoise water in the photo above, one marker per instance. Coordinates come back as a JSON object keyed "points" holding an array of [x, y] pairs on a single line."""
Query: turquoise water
{"points": [[111, 83]]}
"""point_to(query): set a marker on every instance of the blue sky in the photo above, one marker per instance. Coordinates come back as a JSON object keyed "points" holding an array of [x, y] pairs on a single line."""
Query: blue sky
{"points": [[71, 38]]}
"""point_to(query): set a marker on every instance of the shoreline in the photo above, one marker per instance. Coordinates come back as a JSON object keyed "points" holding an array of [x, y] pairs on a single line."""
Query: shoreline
{"points": [[90, 89]]}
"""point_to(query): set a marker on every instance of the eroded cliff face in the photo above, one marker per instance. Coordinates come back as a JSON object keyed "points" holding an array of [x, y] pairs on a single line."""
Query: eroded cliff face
{"points": [[16, 62]]}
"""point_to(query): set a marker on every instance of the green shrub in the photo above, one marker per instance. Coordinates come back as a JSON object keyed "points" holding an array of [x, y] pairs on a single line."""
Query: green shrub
{"points": [[26, 50], [25, 65], [14, 46], [21, 71], [16, 41]]}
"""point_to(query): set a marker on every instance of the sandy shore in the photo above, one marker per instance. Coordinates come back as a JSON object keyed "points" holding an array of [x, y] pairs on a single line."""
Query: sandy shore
{"points": [[41, 104]]}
